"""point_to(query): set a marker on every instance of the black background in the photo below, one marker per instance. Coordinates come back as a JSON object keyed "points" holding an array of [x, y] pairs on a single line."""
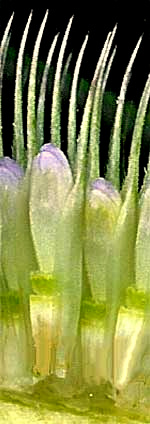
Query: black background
{"points": [[96, 19]]}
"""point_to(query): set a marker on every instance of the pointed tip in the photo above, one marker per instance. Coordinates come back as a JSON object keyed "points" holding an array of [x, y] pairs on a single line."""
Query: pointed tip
{"points": [[11, 18], [114, 29], [70, 21]]}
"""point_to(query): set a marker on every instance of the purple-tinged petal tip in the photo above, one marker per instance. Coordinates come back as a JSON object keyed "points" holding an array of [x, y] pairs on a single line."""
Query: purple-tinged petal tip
{"points": [[10, 171], [52, 158], [105, 187]]}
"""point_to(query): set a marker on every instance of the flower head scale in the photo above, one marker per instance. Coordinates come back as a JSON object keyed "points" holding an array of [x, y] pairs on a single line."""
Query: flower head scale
{"points": [[74, 291]]}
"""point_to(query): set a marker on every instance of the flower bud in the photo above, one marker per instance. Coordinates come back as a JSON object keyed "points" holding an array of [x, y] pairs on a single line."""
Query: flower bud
{"points": [[11, 175], [51, 181], [101, 212]]}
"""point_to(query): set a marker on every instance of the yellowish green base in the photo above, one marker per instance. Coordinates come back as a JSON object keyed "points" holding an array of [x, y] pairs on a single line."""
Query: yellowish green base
{"points": [[48, 402]]}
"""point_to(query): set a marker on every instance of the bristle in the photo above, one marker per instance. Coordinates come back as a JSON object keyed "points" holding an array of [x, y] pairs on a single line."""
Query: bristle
{"points": [[56, 101], [72, 108], [31, 112], [113, 168], [41, 100], [3, 53], [18, 150]]}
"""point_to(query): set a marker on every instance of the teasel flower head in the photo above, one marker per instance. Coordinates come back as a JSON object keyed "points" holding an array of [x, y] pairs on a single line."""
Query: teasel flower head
{"points": [[74, 245]]}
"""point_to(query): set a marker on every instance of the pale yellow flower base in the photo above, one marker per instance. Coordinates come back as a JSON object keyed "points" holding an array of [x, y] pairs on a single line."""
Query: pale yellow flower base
{"points": [[47, 407], [11, 413], [19, 414]]}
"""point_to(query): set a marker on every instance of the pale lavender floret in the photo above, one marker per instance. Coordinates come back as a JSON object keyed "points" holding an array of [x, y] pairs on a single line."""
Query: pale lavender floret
{"points": [[51, 157], [45, 161], [10, 171], [105, 187], [56, 152], [50, 184]]}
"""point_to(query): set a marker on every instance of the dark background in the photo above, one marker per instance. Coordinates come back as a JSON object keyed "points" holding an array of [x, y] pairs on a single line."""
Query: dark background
{"points": [[97, 19]]}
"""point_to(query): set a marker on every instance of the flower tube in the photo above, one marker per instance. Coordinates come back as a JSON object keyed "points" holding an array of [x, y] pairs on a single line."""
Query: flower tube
{"points": [[130, 299], [102, 208], [50, 184], [16, 353]]}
